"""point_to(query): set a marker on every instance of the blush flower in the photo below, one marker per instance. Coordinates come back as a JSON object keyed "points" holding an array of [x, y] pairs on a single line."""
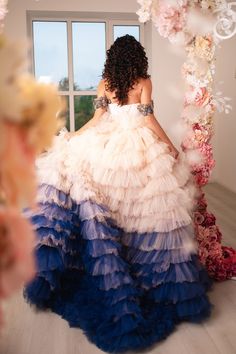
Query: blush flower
{"points": [[16, 251], [170, 19], [202, 97], [17, 166], [198, 218], [3, 10]]}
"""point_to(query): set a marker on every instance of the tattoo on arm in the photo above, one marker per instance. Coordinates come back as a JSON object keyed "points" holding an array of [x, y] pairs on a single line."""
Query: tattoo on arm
{"points": [[100, 102], [146, 109]]}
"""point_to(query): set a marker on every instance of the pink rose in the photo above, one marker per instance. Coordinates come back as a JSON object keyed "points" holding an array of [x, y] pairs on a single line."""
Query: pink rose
{"points": [[169, 19], [215, 249], [202, 97], [198, 96], [203, 255], [198, 218], [201, 177], [200, 232], [209, 219]]}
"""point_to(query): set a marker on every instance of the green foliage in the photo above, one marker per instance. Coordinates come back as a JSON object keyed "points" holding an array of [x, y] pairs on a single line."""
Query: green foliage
{"points": [[83, 110], [63, 84], [83, 105]]}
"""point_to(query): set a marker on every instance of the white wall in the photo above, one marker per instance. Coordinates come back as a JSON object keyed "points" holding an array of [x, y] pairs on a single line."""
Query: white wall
{"points": [[225, 137], [165, 71], [168, 84]]}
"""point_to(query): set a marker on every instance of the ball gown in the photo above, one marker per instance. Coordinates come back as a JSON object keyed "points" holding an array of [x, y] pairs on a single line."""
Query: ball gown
{"points": [[116, 252]]}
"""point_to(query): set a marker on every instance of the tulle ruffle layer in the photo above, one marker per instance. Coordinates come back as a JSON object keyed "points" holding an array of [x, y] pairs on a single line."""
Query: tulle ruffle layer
{"points": [[126, 290], [130, 171]]}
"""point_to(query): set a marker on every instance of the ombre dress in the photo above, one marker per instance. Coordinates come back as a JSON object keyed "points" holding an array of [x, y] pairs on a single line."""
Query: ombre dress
{"points": [[115, 246]]}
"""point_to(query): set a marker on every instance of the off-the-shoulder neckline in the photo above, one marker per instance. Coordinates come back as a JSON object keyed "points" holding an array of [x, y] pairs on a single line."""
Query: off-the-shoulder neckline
{"points": [[129, 104]]}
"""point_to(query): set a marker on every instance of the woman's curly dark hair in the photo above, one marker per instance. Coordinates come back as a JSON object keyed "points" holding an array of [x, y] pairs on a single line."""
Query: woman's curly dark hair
{"points": [[126, 62]]}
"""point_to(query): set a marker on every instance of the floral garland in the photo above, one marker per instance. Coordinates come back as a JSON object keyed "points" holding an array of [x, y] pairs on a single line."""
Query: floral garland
{"points": [[199, 25], [28, 122]]}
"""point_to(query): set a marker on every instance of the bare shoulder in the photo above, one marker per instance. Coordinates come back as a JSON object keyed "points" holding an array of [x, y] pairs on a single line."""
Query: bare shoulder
{"points": [[146, 83], [146, 92], [101, 87]]}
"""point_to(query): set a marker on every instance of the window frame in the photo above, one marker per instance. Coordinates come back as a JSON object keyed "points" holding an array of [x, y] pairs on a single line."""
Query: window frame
{"points": [[69, 19]]}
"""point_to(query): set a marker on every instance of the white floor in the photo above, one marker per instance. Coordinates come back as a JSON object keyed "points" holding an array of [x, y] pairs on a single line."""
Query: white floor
{"points": [[27, 332]]}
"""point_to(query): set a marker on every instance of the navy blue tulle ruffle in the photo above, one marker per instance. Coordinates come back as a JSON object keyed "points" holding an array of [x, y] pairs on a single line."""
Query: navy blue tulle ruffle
{"points": [[100, 279]]}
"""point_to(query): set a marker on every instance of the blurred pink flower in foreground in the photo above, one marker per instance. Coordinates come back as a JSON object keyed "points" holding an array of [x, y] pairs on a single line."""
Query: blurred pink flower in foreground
{"points": [[3, 9], [16, 257], [17, 264], [30, 116], [17, 176]]}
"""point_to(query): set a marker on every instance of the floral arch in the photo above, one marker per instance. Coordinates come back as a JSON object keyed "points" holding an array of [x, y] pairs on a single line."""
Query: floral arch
{"points": [[199, 26]]}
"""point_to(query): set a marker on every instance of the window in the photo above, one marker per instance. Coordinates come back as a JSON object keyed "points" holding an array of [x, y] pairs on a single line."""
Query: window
{"points": [[50, 52], [89, 49], [122, 30], [71, 52]]}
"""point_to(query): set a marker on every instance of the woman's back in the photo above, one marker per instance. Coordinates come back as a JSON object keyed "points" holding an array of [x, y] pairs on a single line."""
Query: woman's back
{"points": [[134, 94]]}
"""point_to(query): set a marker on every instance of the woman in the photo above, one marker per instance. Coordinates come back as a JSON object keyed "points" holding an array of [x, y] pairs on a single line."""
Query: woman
{"points": [[116, 251]]}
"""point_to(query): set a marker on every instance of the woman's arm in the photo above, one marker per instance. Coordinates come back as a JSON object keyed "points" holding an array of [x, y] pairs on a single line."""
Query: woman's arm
{"points": [[97, 114], [151, 121]]}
